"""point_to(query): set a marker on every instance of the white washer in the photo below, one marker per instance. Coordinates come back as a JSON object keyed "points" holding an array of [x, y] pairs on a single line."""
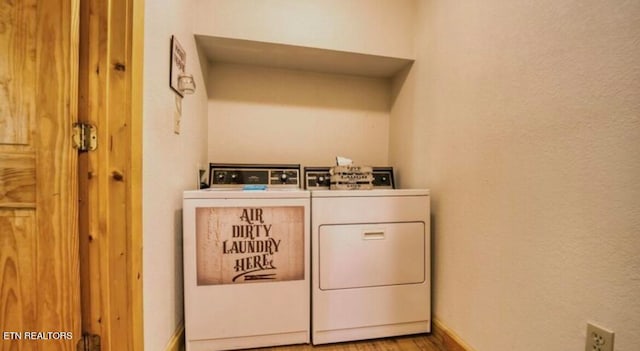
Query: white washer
{"points": [[370, 264], [246, 271]]}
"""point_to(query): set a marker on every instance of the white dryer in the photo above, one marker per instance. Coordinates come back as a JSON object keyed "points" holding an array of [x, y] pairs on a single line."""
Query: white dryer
{"points": [[246, 262], [371, 262]]}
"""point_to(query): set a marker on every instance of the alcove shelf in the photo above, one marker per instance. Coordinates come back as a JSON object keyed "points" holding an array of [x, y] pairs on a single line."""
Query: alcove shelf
{"points": [[240, 51]]}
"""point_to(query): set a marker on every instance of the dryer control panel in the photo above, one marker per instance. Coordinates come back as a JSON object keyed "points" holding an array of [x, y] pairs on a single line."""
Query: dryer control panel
{"points": [[319, 178], [234, 175]]}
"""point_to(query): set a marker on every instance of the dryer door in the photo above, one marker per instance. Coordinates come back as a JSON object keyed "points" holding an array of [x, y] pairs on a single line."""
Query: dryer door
{"points": [[369, 255]]}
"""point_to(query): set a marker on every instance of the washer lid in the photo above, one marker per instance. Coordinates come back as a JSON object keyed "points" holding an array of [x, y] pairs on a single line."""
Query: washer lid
{"points": [[369, 193], [218, 193]]}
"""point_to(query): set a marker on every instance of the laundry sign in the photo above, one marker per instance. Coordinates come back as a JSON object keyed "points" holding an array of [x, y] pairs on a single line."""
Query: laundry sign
{"points": [[249, 244]]}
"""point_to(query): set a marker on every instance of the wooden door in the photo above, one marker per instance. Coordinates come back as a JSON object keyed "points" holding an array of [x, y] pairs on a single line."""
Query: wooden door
{"points": [[39, 265], [110, 212]]}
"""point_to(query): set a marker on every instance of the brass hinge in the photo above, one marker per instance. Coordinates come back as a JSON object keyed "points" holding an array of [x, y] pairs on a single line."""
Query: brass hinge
{"points": [[89, 342], [85, 137]]}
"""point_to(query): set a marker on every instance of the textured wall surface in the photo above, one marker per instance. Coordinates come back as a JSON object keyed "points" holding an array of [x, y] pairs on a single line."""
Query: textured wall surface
{"points": [[525, 118], [264, 115], [381, 27], [169, 165]]}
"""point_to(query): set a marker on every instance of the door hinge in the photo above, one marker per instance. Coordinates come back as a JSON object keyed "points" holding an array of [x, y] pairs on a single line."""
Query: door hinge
{"points": [[85, 137], [89, 342]]}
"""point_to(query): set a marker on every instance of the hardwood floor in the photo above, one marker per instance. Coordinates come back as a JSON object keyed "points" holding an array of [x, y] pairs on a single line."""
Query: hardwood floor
{"points": [[422, 342]]}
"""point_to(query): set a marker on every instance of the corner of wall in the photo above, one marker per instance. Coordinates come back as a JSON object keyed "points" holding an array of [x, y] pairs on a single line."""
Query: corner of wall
{"points": [[164, 150]]}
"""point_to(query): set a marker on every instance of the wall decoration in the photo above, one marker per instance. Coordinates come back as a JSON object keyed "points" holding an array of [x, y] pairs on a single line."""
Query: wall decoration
{"points": [[178, 63]]}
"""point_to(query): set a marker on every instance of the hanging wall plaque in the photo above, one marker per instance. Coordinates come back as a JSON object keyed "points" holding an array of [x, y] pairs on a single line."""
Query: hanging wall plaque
{"points": [[178, 63]]}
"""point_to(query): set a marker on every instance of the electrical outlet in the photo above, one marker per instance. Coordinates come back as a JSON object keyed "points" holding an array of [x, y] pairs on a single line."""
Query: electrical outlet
{"points": [[598, 339]]}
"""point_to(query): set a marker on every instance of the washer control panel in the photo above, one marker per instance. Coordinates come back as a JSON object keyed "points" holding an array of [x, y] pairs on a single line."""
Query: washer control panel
{"points": [[234, 175]]}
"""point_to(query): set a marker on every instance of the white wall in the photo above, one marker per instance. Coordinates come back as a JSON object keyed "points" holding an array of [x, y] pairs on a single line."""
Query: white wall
{"points": [[381, 27], [169, 166], [266, 115], [528, 127], [259, 114]]}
